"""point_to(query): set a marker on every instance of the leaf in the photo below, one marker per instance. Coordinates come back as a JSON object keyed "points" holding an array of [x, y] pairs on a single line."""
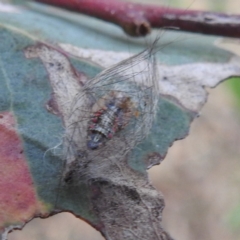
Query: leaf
{"points": [[121, 203]]}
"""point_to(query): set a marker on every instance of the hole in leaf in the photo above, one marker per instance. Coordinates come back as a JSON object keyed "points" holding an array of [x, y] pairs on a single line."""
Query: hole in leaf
{"points": [[61, 226]]}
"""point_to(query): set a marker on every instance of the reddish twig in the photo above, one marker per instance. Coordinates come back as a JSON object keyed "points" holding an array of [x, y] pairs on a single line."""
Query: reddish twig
{"points": [[138, 19]]}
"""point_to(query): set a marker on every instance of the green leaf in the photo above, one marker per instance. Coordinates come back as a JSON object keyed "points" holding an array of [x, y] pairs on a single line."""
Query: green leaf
{"points": [[234, 219]]}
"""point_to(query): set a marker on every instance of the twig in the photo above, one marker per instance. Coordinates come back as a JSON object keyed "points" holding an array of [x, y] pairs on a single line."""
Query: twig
{"points": [[138, 19]]}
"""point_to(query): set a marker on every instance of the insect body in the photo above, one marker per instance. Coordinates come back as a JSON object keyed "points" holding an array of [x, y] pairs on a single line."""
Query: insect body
{"points": [[107, 121]]}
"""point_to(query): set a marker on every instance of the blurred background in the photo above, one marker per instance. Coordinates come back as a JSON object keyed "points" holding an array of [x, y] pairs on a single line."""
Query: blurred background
{"points": [[200, 177]]}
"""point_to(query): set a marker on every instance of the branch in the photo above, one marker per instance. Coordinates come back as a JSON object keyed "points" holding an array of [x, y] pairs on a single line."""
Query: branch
{"points": [[138, 19]]}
